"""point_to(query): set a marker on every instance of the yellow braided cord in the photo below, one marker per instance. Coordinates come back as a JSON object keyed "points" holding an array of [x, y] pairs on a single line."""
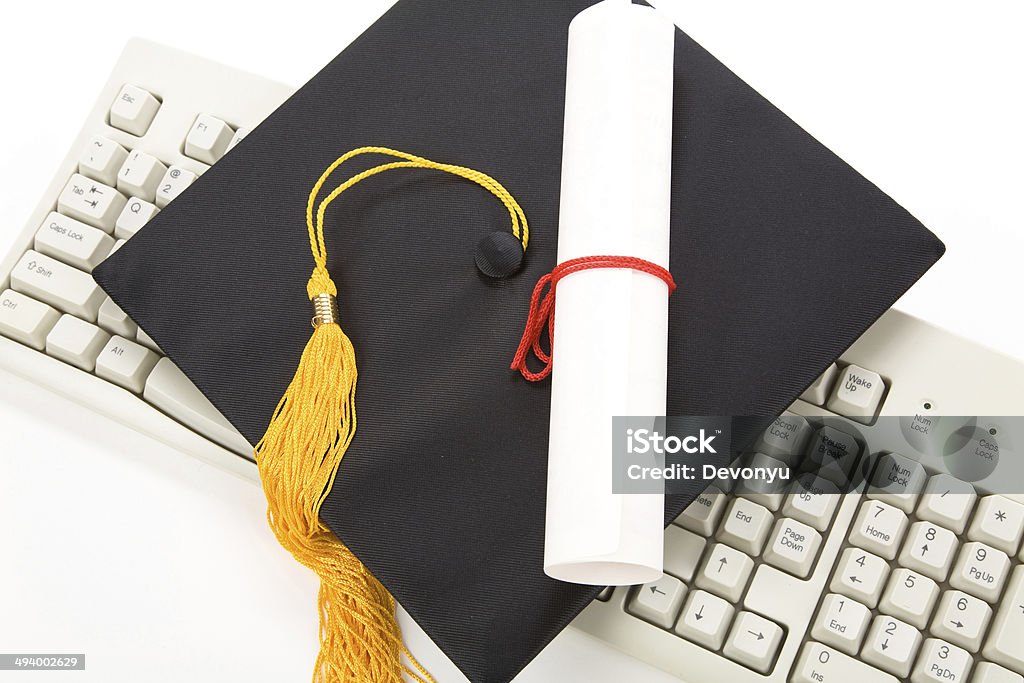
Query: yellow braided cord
{"points": [[520, 227], [299, 456]]}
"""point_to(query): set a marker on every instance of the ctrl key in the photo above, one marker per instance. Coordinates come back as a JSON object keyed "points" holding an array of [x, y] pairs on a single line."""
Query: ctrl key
{"points": [[821, 664], [126, 363], [658, 601], [26, 320]]}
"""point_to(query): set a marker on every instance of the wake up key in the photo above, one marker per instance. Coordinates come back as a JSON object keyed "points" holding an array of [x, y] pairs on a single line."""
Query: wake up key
{"points": [[857, 394]]}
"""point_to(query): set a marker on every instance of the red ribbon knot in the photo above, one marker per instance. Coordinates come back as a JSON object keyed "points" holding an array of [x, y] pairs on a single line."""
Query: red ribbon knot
{"points": [[542, 310]]}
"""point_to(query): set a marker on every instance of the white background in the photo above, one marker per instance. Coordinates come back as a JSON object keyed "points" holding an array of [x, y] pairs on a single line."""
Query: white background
{"points": [[162, 569]]}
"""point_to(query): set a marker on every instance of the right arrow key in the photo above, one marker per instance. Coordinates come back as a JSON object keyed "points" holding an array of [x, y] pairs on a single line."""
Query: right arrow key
{"points": [[753, 641]]}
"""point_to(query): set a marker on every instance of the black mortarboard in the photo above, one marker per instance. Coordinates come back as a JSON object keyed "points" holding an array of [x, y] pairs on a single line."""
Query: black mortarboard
{"points": [[784, 255]]}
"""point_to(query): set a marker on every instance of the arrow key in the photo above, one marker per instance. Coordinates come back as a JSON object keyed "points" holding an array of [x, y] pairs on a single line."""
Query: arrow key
{"points": [[658, 601], [861, 576], [725, 572], [753, 641], [705, 619], [929, 549], [961, 619], [891, 645]]}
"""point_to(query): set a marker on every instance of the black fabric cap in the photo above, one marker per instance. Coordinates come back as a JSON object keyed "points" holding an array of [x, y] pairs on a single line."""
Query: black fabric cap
{"points": [[784, 255]]}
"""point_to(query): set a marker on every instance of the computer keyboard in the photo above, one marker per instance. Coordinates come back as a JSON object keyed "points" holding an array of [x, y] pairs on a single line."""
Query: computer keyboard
{"points": [[885, 560], [162, 119], [917, 574]]}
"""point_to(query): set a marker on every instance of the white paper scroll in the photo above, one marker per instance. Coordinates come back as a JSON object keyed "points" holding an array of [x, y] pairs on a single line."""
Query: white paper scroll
{"points": [[611, 326]]}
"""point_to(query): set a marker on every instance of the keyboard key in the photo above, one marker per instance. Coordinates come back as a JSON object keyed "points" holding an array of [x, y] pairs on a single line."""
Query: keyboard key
{"points": [[683, 550], [785, 438], [725, 572], [91, 202], [133, 110], [941, 662], [705, 619], [821, 664], [658, 601], [208, 139], [703, 514], [1003, 645], [125, 363], [998, 522], [812, 500], [879, 528], [832, 454], [819, 390], [146, 340], [236, 138], [139, 175], [897, 481], [987, 672], [861, 576], [909, 596], [753, 641], [891, 645], [101, 159], [746, 526], [841, 623], [947, 501], [171, 391], [929, 549], [761, 491], [793, 547], [73, 242], [961, 619], [603, 596], [135, 214], [58, 284], [76, 342], [174, 182], [980, 570], [26, 320], [857, 394], [114, 320]]}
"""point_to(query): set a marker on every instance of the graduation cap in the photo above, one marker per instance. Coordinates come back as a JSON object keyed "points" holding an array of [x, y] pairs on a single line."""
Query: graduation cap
{"points": [[785, 255]]}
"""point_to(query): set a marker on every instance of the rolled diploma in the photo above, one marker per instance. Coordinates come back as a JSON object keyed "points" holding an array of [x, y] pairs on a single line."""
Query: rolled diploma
{"points": [[611, 326]]}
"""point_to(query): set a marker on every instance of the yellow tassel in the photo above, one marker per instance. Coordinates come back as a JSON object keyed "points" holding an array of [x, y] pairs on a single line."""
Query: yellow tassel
{"points": [[299, 455]]}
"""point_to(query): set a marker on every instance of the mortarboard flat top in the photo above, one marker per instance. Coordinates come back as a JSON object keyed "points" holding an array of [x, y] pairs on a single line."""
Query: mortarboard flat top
{"points": [[784, 255]]}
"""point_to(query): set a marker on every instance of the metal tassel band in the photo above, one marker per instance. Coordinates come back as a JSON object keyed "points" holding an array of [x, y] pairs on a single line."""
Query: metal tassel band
{"points": [[325, 310]]}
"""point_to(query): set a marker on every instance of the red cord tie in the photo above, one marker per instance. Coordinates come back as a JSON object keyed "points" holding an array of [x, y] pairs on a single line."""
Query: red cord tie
{"points": [[542, 311]]}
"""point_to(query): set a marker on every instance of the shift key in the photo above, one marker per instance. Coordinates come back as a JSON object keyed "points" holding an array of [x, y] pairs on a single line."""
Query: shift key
{"points": [[58, 284]]}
